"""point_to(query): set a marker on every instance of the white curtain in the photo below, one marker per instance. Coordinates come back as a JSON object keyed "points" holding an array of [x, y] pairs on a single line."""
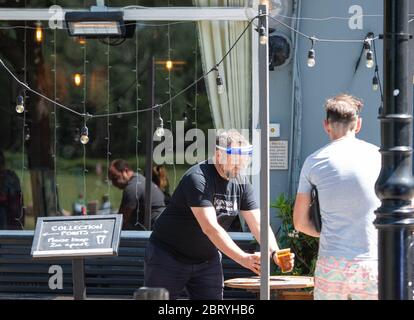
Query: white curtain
{"points": [[232, 108]]}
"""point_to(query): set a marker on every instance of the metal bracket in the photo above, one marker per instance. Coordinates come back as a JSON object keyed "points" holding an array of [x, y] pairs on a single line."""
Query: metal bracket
{"points": [[100, 6]]}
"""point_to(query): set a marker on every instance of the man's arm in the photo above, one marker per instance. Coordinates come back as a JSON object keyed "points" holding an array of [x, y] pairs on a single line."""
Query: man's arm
{"points": [[252, 218], [301, 215], [206, 217]]}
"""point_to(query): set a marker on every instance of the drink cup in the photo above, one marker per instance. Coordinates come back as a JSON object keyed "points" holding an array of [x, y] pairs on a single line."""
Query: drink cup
{"points": [[284, 257]]}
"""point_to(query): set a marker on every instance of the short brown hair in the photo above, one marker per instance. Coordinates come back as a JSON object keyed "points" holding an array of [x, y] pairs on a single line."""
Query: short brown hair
{"points": [[120, 165], [344, 109]]}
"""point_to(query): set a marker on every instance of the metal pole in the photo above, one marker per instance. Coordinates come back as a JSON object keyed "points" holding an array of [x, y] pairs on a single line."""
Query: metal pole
{"points": [[264, 156], [149, 149], [78, 278], [395, 186]]}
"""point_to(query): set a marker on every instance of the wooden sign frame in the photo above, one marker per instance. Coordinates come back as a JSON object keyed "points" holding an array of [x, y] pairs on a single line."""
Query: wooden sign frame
{"points": [[111, 250]]}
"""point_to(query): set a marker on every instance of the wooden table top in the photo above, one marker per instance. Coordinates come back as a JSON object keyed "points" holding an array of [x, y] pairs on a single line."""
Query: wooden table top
{"points": [[275, 282]]}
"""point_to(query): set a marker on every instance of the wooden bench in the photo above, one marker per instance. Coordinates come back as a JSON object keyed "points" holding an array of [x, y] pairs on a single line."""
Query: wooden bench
{"points": [[115, 277]]}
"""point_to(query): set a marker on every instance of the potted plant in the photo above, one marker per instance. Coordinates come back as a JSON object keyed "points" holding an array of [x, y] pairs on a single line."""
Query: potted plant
{"points": [[304, 247]]}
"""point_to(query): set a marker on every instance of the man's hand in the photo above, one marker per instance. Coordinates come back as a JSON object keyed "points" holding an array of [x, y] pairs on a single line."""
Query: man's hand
{"points": [[251, 261], [287, 262]]}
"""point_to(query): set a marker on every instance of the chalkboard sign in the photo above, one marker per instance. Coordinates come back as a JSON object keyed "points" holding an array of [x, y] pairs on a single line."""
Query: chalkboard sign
{"points": [[77, 236]]}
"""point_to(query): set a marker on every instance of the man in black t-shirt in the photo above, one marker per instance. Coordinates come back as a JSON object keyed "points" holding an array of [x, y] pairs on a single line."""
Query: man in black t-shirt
{"points": [[133, 197], [183, 251]]}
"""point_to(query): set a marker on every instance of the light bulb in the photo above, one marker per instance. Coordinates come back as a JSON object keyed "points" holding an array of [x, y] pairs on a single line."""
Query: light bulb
{"points": [[370, 59], [169, 64], [159, 132], [263, 40], [185, 118], [311, 58], [20, 104], [77, 79], [84, 139], [263, 36], [39, 33], [220, 89], [82, 40], [375, 83], [220, 86]]}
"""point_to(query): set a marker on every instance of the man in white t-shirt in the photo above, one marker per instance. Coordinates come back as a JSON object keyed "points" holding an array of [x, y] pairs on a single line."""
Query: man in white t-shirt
{"points": [[344, 173]]}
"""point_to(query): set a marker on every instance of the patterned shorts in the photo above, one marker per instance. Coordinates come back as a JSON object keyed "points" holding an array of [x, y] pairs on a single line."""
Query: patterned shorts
{"points": [[342, 279]]}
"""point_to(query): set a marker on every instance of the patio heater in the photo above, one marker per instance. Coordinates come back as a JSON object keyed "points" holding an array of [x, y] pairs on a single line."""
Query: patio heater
{"points": [[95, 24], [99, 22]]}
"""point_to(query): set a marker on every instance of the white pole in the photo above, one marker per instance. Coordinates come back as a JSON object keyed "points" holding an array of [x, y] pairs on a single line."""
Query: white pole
{"points": [[137, 14], [264, 153]]}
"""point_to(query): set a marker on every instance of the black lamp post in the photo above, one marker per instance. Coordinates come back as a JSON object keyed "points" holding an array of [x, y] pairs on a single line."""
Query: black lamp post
{"points": [[395, 185]]}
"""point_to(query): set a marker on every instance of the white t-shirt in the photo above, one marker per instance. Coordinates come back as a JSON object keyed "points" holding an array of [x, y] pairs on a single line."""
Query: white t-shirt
{"points": [[344, 172]]}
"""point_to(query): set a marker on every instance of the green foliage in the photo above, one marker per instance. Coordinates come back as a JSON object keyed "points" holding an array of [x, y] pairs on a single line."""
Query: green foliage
{"points": [[304, 247]]}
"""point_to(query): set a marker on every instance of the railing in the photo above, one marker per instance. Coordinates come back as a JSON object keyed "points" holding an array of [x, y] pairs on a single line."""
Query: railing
{"points": [[113, 277]]}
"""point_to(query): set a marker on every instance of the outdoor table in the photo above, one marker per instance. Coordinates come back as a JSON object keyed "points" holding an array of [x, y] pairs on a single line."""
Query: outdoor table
{"points": [[278, 284]]}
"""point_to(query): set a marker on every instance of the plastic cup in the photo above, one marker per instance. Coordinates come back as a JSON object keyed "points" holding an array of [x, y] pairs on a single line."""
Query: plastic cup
{"points": [[284, 257]]}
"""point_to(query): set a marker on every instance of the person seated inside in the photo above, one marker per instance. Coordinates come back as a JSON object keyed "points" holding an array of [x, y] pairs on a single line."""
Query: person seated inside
{"points": [[12, 213], [133, 197], [79, 206], [105, 207]]}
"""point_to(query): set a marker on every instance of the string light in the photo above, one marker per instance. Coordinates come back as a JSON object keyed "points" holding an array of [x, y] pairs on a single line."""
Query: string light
{"points": [[85, 132], [77, 79], [84, 138], [320, 39], [311, 55], [169, 65], [375, 83], [170, 150], [24, 134], [367, 45], [219, 81], [160, 129], [185, 117], [368, 52], [220, 85], [39, 32], [262, 35], [376, 72], [27, 133], [370, 59], [148, 108], [20, 104], [192, 84]]}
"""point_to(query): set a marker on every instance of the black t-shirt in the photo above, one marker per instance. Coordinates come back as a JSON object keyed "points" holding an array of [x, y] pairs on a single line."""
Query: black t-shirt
{"points": [[177, 229], [133, 197]]}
